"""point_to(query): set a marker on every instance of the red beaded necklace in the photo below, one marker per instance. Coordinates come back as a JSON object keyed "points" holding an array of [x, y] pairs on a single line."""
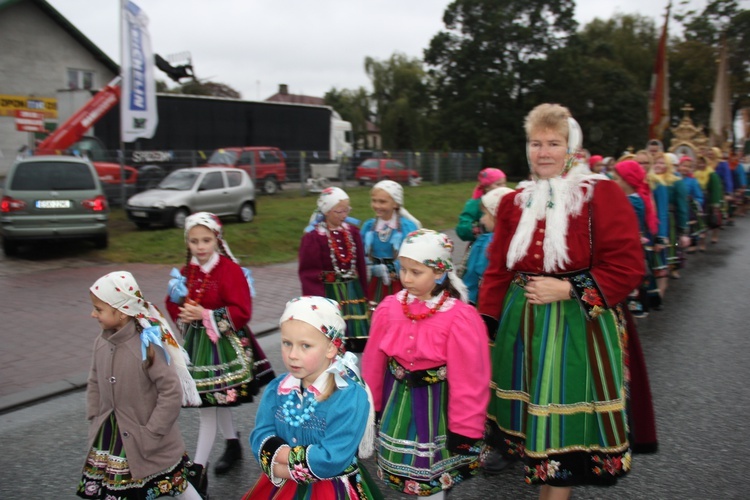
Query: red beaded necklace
{"points": [[433, 310], [345, 255], [196, 298]]}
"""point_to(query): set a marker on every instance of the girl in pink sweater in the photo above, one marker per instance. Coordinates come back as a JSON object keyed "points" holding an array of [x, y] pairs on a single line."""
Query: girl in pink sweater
{"points": [[426, 342]]}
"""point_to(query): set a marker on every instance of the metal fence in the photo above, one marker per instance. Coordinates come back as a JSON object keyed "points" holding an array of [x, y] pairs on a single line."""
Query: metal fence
{"points": [[306, 170]]}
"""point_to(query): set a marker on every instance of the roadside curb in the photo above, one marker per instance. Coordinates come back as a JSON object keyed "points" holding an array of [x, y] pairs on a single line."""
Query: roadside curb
{"points": [[77, 382]]}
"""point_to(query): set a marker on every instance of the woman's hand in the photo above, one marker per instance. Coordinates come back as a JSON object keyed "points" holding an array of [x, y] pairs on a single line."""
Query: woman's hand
{"points": [[191, 311], [545, 290]]}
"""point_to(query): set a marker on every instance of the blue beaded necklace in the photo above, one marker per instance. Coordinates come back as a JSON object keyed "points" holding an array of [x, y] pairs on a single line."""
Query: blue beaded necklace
{"points": [[301, 410]]}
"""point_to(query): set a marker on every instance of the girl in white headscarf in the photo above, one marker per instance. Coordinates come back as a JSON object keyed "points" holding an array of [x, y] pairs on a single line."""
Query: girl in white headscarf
{"points": [[332, 263], [315, 421], [209, 299], [382, 237], [137, 383], [427, 364]]}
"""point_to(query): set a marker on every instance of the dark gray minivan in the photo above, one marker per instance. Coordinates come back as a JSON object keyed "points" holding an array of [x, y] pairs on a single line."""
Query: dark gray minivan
{"points": [[52, 198]]}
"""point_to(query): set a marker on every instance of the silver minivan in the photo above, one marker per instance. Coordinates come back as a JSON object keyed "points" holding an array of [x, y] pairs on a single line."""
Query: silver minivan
{"points": [[220, 190], [52, 198]]}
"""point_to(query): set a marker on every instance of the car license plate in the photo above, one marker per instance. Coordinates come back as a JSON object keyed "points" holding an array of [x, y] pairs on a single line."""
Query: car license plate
{"points": [[139, 214], [52, 203]]}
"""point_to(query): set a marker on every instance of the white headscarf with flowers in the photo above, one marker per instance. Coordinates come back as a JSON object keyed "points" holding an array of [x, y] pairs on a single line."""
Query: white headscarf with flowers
{"points": [[120, 290], [329, 198], [491, 200], [213, 223], [325, 316], [396, 191], [434, 250]]}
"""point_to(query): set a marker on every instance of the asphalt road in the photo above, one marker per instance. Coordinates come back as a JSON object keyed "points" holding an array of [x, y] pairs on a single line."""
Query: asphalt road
{"points": [[696, 352]]}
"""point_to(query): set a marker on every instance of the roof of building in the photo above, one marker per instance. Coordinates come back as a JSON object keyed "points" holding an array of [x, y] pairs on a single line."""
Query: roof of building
{"points": [[283, 95], [70, 28]]}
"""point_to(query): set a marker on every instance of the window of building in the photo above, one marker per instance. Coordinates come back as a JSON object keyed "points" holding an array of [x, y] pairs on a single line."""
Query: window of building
{"points": [[80, 79]]}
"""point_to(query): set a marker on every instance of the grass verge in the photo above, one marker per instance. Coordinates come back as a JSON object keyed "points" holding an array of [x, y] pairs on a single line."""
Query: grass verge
{"points": [[274, 235]]}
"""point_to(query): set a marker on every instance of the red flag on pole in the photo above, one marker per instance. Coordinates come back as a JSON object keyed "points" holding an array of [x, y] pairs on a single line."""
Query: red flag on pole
{"points": [[658, 101]]}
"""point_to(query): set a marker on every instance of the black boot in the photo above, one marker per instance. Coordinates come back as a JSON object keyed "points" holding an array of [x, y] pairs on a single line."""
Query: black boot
{"points": [[495, 462], [198, 477], [232, 453]]}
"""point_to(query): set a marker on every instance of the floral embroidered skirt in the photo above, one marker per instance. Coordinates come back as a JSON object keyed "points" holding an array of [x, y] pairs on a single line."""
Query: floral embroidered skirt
{"points": [[262, 371], [106, 473], [223, 372], [354, 308], [354, 484], [558, 392], [413, 457]]}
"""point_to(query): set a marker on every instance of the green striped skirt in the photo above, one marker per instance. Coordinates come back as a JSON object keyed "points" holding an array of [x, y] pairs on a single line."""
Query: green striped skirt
{"points": [[413, 457], [223, 373], [354, 308], [558, 392]]}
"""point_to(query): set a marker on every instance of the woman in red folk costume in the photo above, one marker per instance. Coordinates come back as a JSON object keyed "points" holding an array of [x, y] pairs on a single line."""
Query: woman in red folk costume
{"points": [[209, 299], [568, 252], [332, 263]]}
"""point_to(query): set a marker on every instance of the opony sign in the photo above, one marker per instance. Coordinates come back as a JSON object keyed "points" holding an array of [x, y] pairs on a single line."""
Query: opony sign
{"points": [[29, 121]]}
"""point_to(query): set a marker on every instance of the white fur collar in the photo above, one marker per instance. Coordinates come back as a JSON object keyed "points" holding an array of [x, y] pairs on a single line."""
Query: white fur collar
{"points": [[553, 200]]}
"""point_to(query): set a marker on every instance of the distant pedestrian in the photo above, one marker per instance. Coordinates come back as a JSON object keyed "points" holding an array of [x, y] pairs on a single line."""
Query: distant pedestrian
{"points": [[477, 260], [383, 235], [332, 263], [137, 383], [427, 363], [209, 298], [313, 422], [468, 221]]}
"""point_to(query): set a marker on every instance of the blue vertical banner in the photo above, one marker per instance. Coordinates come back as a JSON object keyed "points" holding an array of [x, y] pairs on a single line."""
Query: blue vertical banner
{"points": [[138, 100]]}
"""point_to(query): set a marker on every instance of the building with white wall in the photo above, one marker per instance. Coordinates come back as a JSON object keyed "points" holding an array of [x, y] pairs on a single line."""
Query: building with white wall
{"points": [[42, 53]]}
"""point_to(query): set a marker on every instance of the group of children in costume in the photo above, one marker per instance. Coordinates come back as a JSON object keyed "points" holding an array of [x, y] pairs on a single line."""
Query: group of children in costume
{"points": [[390, 291], [682, 203]]}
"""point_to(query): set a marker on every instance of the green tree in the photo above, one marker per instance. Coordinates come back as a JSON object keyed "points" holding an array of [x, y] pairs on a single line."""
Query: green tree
{"points": [[603, 76], [400, 99], [353, 106], [722, 20], [483, 67]]}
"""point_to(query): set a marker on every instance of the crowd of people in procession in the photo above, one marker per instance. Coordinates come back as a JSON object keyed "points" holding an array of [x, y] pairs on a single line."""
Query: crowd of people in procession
{"points": [[543, 304]]}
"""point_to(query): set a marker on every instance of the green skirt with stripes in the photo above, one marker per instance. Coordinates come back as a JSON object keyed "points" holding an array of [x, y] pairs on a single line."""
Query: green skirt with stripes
{"points": [[558, 392], [354, 308]]}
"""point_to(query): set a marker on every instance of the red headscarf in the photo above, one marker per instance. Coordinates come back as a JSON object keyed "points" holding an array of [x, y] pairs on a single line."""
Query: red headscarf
{"points": [[594, 160], [632, 173], [486, 177]]}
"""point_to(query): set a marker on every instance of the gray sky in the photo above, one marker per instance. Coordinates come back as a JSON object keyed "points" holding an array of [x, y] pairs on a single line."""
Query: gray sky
{"points": [[254, 45]]}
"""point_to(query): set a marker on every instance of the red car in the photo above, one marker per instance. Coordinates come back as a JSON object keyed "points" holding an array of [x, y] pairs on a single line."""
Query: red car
{"points": [[378, 169], [265, 165]]}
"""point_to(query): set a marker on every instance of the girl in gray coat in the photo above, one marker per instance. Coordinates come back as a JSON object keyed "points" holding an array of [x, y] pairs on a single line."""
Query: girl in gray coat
{"points": [[137, 384]]}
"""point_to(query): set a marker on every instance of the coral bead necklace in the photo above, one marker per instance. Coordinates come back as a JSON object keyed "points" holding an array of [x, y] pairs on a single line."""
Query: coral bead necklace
{"points": [[196, 295], [432, 310]]}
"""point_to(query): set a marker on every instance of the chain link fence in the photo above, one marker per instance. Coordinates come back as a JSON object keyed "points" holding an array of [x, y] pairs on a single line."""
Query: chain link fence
{"points": [[305, 170]]}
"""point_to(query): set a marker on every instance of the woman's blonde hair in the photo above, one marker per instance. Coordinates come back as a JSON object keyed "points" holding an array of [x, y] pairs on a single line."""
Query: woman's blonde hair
{"points": [[548, 117]]}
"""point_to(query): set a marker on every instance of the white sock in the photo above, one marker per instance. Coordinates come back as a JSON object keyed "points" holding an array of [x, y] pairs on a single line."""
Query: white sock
{"points": [[190, 493], [206, 435], [226, 424]]}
